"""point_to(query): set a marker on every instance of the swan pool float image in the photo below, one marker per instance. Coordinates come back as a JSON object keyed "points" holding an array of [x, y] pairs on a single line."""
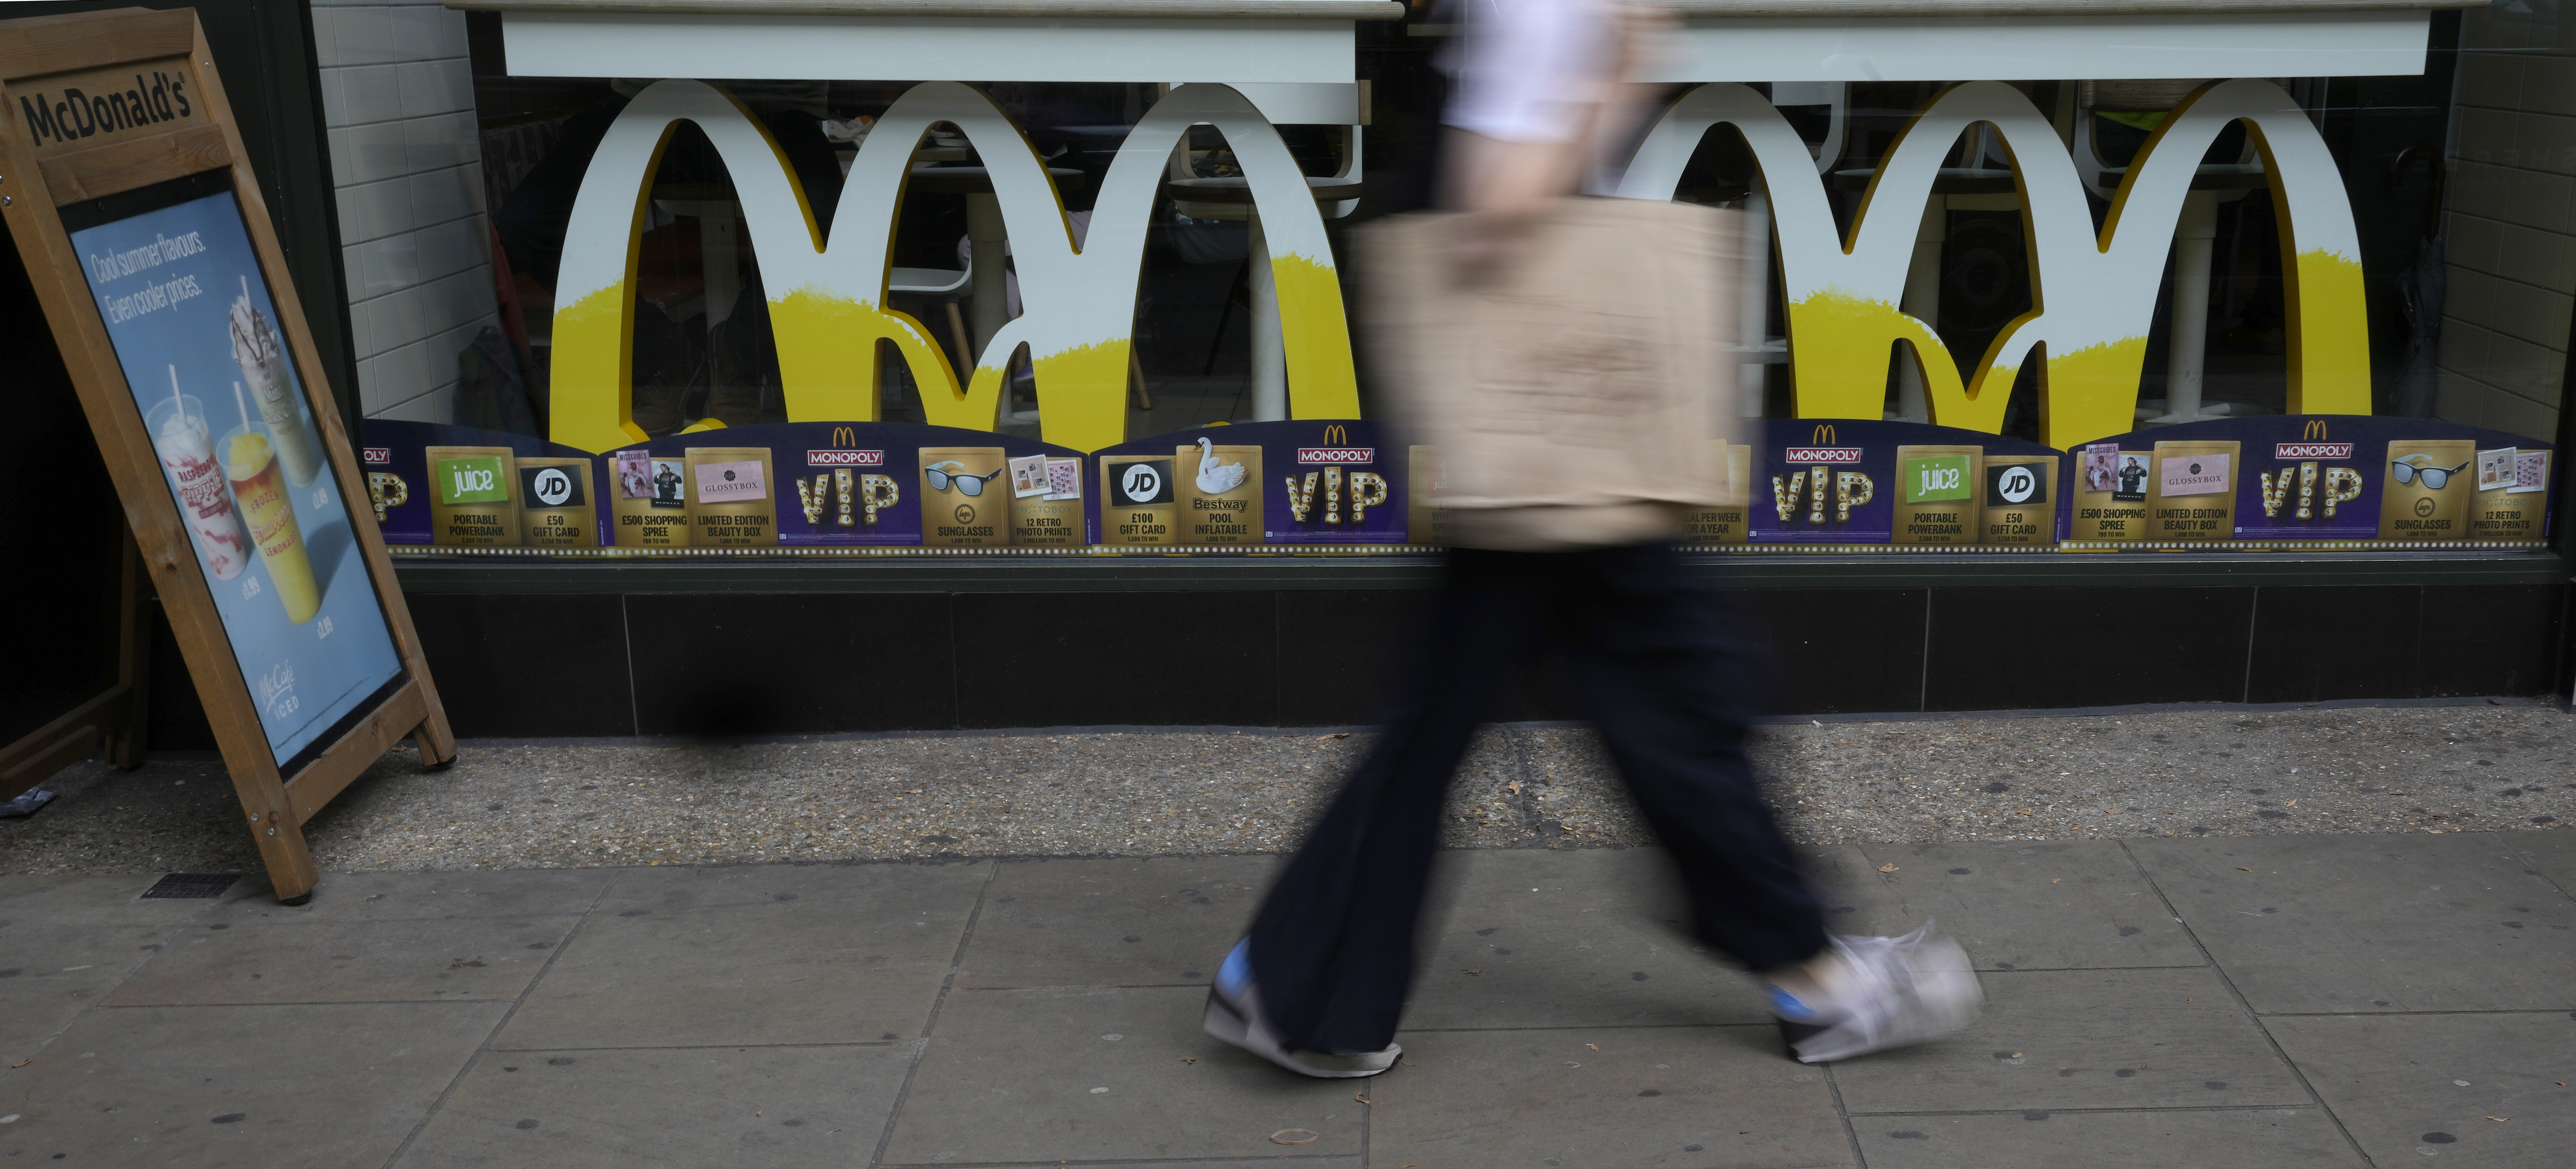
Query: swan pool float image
{"points": [[1218, 478]]}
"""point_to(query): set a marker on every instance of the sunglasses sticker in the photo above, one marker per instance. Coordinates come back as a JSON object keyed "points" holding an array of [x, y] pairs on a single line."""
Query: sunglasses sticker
{"points": [[965, 499]]}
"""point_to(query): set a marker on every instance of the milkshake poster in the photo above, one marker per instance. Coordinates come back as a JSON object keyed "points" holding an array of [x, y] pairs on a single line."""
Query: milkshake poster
{"points": [[184, 301]]}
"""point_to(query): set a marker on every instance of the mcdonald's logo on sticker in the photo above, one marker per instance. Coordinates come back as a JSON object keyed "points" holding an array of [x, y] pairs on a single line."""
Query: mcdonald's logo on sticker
{"points": [[843, 437], [1337, 435], [845, 458], [1824, 450], [2312, 444]]}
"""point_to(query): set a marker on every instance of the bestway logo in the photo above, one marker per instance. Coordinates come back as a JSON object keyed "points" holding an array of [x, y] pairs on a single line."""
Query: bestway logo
{"points": [[1336, 454], [2312, 450], [1823, 454], [379, 455], [845, 458]]}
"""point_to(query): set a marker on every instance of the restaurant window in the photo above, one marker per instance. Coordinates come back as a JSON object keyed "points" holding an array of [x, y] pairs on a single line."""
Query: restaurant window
{"points": [[698, 315]]}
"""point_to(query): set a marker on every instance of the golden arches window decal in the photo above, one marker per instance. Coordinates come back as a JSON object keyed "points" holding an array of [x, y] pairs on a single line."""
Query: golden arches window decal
{"points": [[828, 308], [1842, 293]]}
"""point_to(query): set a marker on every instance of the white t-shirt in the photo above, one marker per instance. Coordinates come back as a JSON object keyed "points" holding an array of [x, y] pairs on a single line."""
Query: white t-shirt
{"points": [[1530, 70]]}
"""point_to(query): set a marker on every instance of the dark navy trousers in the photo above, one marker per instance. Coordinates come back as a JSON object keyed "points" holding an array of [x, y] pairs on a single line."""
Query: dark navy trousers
{"points": [[1663, 668]]}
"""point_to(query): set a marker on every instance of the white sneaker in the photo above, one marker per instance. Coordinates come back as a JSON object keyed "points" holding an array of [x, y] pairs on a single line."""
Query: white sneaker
{"points": [[1234, 1015], [1893, 991]]}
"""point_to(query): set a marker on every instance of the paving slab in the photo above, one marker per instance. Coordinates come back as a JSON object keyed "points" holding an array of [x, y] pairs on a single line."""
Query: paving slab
{"points": [[50, 970], [734, 955], [2234, 1138], [404, 960], [2058, 1039], [2471, 1089], [1603, 1096], [2023, 905], [2309, 924], [1288, 1160], [1105, 1074], [1157, 921], [2549, 855], [92, 899], [1568, 938], [395, 896], [694, 1107], [268, 1086]]}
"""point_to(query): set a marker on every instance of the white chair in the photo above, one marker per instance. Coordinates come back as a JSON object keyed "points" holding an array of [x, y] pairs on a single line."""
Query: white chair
{"points": [[949, 285]]}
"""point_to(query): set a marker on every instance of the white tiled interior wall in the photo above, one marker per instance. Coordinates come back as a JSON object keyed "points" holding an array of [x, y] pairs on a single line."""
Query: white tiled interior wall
{"points": [[398, 94], [2511, 226]]}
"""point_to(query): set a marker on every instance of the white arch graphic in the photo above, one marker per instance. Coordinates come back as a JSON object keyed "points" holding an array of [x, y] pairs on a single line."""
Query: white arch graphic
{"points": [[827, 299], [2093, 293]]}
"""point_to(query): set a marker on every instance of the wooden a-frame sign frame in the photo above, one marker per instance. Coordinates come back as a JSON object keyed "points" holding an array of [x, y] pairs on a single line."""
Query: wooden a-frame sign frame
{"points": [[39, 178]]}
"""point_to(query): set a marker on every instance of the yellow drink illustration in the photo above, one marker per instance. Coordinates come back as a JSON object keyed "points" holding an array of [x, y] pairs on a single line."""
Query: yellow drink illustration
{"points": [[260, 489]]}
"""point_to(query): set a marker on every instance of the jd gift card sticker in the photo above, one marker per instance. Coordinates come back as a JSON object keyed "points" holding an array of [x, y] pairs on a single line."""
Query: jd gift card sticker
{"points": [[1136, 500], [554, 503], [2018, 508], [472, 500]]}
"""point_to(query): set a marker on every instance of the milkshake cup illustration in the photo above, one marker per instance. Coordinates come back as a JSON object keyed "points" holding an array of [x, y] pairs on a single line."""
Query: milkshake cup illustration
{"points": [[263, 363], [179, 435], [259, 485]]}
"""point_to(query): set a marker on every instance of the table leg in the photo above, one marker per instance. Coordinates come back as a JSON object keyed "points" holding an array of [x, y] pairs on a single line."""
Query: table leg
{"points": [[2194, 236], [1923, 303], [719, 255], [990, 299], [1269, 353], [1753, 308]]}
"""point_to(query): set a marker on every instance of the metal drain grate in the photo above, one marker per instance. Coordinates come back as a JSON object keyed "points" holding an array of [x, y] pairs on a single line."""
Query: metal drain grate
{"points": [[192, 885]]}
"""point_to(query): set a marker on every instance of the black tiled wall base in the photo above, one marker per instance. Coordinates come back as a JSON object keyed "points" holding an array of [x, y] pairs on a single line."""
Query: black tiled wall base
{"points": [[751, 664]]}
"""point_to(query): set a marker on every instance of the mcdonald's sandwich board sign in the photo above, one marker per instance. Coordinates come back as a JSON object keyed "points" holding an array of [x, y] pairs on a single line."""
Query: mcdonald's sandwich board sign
{"points": [[128, 192]]}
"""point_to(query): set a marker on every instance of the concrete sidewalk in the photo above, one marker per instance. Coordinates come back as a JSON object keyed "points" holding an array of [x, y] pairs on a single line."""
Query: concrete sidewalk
{"points": [[2338, 1000]]}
